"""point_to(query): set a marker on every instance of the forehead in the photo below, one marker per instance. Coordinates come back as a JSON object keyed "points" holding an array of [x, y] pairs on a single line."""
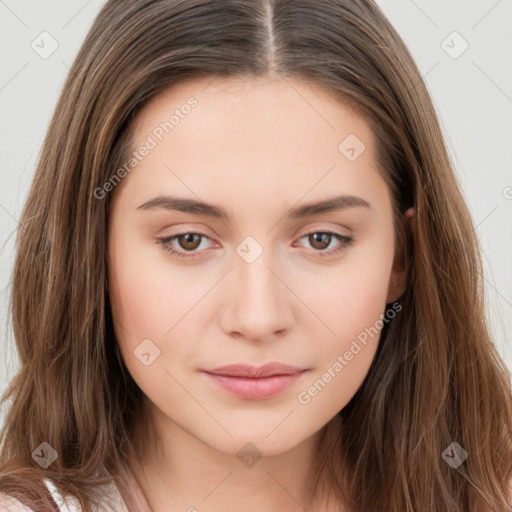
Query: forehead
{"points": [[259, 137], [254, 106]]}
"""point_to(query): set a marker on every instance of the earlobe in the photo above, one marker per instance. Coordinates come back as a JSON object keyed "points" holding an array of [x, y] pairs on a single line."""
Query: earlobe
{"points": [[399, 274]]}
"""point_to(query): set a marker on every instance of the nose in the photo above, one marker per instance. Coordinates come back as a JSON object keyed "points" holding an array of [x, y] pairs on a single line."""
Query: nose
{"points": [[258, 304]]}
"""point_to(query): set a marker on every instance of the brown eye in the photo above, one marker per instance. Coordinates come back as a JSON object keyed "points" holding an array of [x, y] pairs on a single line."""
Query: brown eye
{"points": [[184, 245], [319, 241], [187, 241]]}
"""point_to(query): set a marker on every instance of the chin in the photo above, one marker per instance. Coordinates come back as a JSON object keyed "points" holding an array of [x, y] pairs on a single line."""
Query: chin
{"points": [[256, 443]]}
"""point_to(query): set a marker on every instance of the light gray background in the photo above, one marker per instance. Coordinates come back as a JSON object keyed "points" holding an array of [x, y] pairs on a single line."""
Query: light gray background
{"points": [[472, 92]]}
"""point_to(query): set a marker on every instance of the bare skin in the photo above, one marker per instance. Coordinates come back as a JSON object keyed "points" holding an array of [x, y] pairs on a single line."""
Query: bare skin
{"points": [[256, 148]]}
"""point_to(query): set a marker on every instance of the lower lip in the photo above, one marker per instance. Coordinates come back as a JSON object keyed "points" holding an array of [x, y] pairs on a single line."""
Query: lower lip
{"points": [[255, 389]]}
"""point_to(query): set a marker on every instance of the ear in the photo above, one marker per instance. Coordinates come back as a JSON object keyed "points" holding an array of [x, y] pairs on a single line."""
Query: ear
{"points": [[398, 278]]}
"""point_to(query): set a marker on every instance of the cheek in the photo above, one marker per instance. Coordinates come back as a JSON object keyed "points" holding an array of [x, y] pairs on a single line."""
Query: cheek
{"points": [[358, 302], [147, 302], [149, 295], [154, 300], [350, 297], [351, 303]]}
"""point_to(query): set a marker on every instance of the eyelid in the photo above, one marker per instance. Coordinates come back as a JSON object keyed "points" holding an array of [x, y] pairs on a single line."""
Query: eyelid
{"points": [[323, 229], [186, 228]]}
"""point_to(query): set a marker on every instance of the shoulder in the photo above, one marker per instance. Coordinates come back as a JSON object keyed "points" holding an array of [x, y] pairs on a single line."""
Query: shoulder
{"points": [[111, 501], [67, 504], [10, 504]]}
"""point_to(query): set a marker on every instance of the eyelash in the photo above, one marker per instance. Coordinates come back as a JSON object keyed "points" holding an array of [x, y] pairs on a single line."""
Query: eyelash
{"points": [[346, 241]]}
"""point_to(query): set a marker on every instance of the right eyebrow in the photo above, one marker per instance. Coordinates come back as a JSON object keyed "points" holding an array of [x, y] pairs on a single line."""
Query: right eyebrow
{"points": [[185, 205]]}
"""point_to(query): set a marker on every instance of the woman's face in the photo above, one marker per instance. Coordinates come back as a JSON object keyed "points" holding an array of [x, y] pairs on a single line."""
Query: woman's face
{"points": [[266, 273]]}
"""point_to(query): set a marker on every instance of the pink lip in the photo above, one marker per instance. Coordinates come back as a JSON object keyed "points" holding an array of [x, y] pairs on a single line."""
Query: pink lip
{"points": [[255, 383]]}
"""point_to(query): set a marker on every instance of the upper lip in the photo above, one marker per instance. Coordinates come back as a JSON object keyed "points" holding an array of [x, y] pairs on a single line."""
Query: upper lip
{"points": [[247, 370]]}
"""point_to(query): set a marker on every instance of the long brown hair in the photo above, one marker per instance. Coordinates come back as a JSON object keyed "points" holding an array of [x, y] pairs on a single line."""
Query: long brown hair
{"points": [[436, 378]]}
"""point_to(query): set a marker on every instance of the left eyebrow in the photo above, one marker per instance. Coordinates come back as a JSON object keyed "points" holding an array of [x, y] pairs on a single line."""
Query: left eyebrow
{"points": [[185, 205], [194, 206], [331, 204]]}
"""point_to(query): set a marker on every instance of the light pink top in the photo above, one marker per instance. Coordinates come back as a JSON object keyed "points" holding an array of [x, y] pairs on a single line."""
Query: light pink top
{"points": [[111, 501]]}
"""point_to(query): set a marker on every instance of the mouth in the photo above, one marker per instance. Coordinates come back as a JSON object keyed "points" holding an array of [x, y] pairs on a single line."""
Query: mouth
{"points": [[255, 383]]}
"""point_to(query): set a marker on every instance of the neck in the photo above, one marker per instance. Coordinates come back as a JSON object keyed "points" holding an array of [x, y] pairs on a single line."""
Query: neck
{"points": [[183, 471]]}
